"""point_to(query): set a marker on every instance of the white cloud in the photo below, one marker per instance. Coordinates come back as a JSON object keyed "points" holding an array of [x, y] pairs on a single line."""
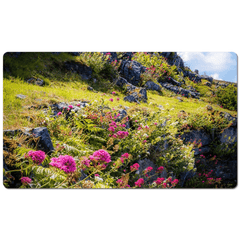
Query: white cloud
{"points": [[216, 76], [209, 61]]}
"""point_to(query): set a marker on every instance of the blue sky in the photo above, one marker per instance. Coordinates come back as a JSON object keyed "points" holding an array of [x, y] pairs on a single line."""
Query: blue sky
{"points": [[219, 65]]}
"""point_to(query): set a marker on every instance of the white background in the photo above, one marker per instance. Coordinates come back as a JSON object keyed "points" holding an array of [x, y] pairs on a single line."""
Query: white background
{"points": [[119, 26]]}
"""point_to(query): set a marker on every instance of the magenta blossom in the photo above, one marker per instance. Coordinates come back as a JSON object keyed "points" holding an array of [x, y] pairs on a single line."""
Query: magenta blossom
{"points": [[113, 93], [111, 129], [174, 182], [59, 113], [101, 156], [118, 99], [37, 156], [139, 182], [86, 162], [160, 169], [26, 180], [159, 181], [78, 104], [122, 134], [111, 99], [134, 167], [70, 106], [124, 156], [148, 169], [65, 163]]}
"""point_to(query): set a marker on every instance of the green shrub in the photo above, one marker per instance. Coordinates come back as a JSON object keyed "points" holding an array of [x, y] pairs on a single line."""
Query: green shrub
{"points": [[227, 97]]}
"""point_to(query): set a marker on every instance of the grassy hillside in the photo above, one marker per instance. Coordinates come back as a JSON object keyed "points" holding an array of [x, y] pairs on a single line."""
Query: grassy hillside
{"points": [[101, 156]]}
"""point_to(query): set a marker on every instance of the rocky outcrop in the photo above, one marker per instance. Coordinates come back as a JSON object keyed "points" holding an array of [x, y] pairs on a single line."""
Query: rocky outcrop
{"points": [[131, 71], [150, 85], [198, 136], [179, 90], [123, 114], [81, 69], [44, 143], [173, 81], [134, 94], [36, 81], [143, 164], [230, 118], [173, 59]]}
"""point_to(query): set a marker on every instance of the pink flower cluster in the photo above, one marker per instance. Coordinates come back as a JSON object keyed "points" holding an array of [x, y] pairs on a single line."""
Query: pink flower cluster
{"points": [[112, 126], [160, 169], [134, 167], [207, 174], [159, 181], [37, 156], [101, 156], [148, 169], [65, 163], [122, 134], [124, 156], [86, 162], [121, 185], [26, 180], [139, 182]]}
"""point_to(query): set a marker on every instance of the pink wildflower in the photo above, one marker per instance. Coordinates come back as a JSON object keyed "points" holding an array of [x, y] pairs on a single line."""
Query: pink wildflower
{"points": [[26, 180], [70, 106], [126, 155], [111, 99], [59, 113], [169, 179], [148, 169], [118, 99], [122, 134], [111, 129], [164, 185], [86, 162], [139, 182], [136, 120], [160, 169], [155, 123], [96, 175], [144, 141], [174, 182], [65, 163], [113, 93], [119, 181], [37, 156], [134, 167], [159, 181], [139, 128], [101, 155], [78, 104]]}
